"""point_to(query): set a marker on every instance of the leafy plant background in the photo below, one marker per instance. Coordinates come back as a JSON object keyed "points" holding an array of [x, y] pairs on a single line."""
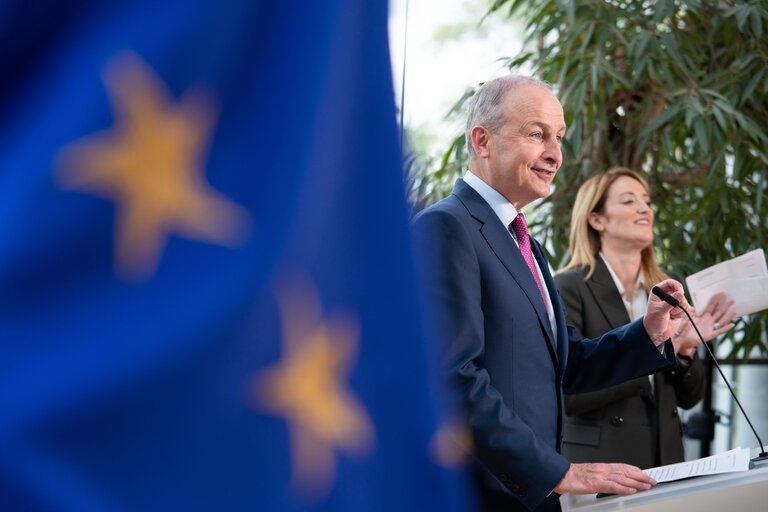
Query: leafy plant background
{"points": [[677, 89]]}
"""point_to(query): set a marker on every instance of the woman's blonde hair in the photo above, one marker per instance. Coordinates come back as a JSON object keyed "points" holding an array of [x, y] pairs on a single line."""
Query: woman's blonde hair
{"points": [[584, 242]]}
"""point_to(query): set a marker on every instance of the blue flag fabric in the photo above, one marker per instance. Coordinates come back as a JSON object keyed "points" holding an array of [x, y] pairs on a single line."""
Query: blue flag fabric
{"points": [[206, 285]]}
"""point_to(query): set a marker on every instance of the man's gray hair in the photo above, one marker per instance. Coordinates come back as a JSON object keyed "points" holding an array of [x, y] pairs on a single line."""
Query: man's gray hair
{"points": [[484, 107]]}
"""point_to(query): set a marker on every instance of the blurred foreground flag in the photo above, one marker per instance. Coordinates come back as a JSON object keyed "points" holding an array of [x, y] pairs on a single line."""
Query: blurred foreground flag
{"points": [[206, 286]]}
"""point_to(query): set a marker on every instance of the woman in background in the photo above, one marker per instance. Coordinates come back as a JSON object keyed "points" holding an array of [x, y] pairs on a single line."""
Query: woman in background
{"points": [[606, 285]]}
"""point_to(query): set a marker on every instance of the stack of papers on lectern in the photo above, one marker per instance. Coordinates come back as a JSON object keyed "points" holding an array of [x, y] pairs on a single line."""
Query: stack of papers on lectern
{"points": [[744, 279], [726, 462]]}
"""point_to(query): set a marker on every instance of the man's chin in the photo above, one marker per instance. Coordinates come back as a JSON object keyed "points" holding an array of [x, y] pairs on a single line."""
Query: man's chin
{"points": [[544, 191]]}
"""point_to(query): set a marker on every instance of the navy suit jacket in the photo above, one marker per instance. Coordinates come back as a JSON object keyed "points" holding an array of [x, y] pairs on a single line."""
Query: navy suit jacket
{"points": [[506, 365]]}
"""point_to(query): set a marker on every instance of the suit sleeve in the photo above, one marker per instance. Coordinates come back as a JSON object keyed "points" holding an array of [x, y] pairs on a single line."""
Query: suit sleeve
{"points": [[504, 444], [619, 355]]}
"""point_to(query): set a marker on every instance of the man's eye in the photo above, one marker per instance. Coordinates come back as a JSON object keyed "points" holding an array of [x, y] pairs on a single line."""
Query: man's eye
{"points": [[536, 135]]}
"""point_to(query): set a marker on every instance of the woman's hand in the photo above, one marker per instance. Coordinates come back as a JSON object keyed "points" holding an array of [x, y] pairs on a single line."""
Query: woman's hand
{"points": [[715, 320]]}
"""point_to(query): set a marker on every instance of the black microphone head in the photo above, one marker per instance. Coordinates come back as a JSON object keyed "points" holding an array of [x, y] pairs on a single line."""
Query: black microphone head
{"points": [[665, 297]]}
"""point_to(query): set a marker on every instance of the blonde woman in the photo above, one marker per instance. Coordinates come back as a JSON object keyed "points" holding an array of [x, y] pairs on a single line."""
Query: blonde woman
{"points": [[605, 285]]}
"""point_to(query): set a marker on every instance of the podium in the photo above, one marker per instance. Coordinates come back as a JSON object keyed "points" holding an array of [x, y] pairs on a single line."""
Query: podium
{"points": [[744, 490]]}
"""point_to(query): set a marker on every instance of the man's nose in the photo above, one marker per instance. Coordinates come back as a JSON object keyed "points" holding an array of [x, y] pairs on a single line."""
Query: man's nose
{"points": [[553, 154]]}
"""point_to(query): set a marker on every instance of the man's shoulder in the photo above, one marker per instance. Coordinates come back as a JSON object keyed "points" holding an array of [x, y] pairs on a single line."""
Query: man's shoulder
{"points": [[447, 221], [450, 206]]}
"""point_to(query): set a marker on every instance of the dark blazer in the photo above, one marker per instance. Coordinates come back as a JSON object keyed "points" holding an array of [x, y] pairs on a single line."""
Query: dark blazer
{"points": [[629, 422], [506, 365]]}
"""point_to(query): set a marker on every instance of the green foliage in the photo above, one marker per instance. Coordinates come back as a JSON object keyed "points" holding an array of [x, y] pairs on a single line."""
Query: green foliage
{"points": [[675, 88], [428, 181]]}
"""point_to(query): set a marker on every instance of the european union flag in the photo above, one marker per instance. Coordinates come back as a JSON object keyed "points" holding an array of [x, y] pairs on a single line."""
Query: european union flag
{"points": [[207, 297]]}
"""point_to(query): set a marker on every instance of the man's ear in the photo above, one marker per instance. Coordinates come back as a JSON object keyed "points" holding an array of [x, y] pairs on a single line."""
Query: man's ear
{"points": [[480, 139]]}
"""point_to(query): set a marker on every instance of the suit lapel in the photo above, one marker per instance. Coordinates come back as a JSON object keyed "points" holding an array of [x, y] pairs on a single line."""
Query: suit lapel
{"points": [[607, 296], [541, 259], [500, 241]]}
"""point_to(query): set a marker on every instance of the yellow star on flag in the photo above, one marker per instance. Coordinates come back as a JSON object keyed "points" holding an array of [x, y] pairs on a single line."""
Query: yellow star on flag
{"points": [[451, 446], [151, 164], [309, 388]]}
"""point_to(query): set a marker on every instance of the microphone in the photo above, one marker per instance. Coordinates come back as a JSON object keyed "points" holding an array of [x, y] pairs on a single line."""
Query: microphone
{"points": [[666, 297], [676, 304]]}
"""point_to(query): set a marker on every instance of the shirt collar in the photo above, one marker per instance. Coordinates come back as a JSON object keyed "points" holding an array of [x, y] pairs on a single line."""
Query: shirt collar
{"points": [[503, 209], [616, 279]]}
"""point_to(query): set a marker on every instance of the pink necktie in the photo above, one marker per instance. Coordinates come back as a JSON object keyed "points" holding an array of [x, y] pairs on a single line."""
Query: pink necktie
{"points": [[520, 228]]}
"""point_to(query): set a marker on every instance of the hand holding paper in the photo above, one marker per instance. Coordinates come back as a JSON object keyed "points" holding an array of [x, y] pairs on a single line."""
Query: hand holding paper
{"points": [[715, 321], [744, 279]]}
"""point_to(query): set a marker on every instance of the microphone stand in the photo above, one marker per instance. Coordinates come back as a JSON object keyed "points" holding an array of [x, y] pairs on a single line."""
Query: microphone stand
{"points": [[676, 303], [710, 418]]}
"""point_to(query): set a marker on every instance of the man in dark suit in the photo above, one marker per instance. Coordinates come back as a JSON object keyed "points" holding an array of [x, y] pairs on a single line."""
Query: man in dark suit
{"points": [[502, 325]]}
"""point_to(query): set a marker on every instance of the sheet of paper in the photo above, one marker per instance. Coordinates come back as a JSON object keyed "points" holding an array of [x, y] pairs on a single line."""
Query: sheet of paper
{"points": [[744, 279], [726, 462]]}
